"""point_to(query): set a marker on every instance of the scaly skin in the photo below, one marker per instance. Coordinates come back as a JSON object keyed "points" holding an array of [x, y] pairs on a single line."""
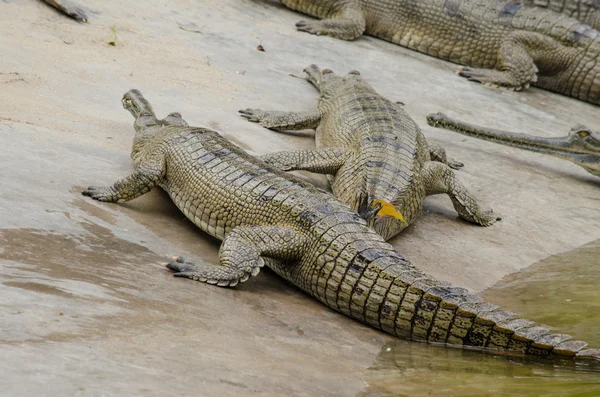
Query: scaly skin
{"points": [[265, 216], [501, 43], [586, 11], [69, 8], [373, 151], [581, 146]]}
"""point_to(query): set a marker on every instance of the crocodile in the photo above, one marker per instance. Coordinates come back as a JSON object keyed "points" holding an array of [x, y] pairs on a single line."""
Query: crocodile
{"points": [[265, 216], [376, 156], [586, 11], [69, 8], [500, 43], [581, 146]]}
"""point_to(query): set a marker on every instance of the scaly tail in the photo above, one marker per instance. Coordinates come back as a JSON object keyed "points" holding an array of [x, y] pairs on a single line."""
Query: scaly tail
{"points": [[389, 293]]}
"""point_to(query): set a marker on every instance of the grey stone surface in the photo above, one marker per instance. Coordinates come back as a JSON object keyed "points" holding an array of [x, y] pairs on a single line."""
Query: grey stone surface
{"points": [[86, 309]]}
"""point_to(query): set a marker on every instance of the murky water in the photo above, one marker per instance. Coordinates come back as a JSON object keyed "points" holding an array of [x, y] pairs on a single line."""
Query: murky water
{"points": [[561, 291]]}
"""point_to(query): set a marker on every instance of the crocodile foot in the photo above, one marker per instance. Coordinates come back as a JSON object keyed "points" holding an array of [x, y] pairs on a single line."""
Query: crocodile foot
{"points": [[312, 27], [222, 276], [101, 193], [496, 78], [283, 163], [255, 116], [455, 165], [484, 217]]}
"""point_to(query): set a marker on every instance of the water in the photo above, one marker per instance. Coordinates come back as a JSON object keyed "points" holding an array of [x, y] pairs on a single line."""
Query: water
{"points": [[560, 291]]}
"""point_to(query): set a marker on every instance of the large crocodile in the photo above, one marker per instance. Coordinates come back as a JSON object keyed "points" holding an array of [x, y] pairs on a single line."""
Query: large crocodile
{"points": [[586, 11], [375, 153], [69, 8], [581, 146], [501, 42], [266, 216]]}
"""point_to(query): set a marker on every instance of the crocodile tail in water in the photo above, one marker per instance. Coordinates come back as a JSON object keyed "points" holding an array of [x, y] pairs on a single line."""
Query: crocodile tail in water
{"points": [[391, 294]]}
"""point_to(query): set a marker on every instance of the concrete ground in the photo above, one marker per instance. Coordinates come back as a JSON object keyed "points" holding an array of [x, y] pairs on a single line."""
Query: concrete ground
{"points": [[86, 308]]}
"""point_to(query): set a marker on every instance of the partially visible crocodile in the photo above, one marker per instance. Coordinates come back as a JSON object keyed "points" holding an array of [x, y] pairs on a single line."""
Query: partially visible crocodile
{"points": [[375, 154], [502, 43], [69, 8], [586, 11], [266, 216], [581, 146]]}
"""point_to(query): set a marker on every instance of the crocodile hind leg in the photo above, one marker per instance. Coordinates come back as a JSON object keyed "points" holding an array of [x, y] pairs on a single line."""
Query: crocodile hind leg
{"points": [[520, 56], [241, 255], [320, 161], [68, 8], [279, 121], [439, 178], [438, 153], [346, 23]]}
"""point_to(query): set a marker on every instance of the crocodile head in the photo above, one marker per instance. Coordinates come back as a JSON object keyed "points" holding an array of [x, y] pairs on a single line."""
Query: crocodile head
{"points": [[136, 104], [145, 120], [581, 146], [330, 83], [586, 142]]}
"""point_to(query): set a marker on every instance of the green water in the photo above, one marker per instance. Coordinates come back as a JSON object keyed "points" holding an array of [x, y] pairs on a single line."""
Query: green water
{"points": [[561, 291]]}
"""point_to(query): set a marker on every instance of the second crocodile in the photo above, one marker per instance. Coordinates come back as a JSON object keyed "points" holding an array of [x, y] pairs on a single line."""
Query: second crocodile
{"points": [[586, 11], [581, 146], [500, 42], [376, 155]]}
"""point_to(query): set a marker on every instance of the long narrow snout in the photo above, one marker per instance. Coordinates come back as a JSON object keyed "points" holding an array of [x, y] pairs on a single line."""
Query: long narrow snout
{"points": [[313, 74], [136, 104]]}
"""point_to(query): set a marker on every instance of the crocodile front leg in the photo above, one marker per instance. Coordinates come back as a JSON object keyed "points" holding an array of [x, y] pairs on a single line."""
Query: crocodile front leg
{"points": [[441, 179], [279, 121], [346, 23], [438, 153], [147, 176], [520, 57], [70, 9], [241, 255], [320, 161]]}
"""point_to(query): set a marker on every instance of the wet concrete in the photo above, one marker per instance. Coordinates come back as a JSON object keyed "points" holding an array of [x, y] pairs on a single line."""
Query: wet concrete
{"points": [[86, 308]]}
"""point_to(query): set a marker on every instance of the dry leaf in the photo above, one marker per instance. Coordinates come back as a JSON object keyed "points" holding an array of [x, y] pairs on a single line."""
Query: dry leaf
{"points": [[113, 37]]}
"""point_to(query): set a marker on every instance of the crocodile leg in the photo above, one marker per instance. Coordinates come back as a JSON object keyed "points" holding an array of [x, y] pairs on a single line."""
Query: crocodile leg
{"points": [[346, 22], [441, 179], [438, 154], [146, 176], [279, 121], [241, 255], [69, 8], [520, 56], [321, 161]]}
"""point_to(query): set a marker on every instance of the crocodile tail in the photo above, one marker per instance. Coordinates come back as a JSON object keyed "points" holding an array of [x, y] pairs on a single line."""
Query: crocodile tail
{"points": [[460, 318], [411, 305]]}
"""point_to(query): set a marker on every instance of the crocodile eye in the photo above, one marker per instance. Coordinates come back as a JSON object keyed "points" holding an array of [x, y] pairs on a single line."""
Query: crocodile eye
{"points": [[326, 71], [583, 134], [356, 72]]}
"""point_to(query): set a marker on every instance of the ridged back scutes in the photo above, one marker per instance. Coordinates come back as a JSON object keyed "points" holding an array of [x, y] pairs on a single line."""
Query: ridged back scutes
{"points": [[201, 163]]}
